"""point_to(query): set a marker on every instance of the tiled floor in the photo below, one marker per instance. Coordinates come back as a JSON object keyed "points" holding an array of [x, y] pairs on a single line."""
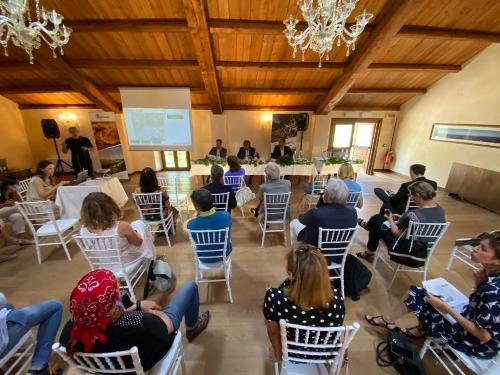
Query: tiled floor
{"points": [[236, 340]]}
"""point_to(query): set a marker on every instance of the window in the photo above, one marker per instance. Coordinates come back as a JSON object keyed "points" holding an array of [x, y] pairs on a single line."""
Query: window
{"points": [[176, 160]]}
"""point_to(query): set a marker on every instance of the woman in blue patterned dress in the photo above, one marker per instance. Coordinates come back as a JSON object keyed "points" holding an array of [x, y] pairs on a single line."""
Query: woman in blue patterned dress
{"points": [[476, 331]]}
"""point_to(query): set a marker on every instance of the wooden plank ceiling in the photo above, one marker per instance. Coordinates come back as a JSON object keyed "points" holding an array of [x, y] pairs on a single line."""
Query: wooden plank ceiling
{"points": [[233, 54]]}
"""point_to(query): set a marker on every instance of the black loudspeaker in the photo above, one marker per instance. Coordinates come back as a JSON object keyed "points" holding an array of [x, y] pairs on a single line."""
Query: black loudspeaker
{"points": [[50, 128], [302, 122]]}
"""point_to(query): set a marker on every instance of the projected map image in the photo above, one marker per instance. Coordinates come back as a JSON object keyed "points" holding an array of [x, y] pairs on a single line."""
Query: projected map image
{"points": [[158, 127]]}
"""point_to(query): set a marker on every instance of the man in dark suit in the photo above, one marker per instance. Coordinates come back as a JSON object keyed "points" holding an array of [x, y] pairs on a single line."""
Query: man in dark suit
{"points": [[281, 150], [396, 203], [247, 151], [218, 151], [217, 186]]}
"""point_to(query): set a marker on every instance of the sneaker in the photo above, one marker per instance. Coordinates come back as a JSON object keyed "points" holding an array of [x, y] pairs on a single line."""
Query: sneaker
{"points": [[202, 323]]}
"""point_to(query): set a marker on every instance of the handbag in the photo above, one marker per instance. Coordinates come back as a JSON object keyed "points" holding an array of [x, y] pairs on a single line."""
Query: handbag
{"points": [[159, 275], [397, 352], [4, 333], [244, 195]]}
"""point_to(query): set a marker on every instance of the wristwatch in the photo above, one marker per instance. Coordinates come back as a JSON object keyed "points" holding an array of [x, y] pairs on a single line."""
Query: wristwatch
{"points": [[138, 305]]}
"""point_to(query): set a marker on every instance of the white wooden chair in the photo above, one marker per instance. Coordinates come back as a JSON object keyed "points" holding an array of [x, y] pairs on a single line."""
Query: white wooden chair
{"points": [[220, 201], [104, 252], [477, 366], [210, 255], [46, 230], [177, 199], [236, 183], [335, 245], [275, 213], [115, 363], [150, 207], [462, 254], [353, 199], [22, 188], [428, 232], [410, 205], [18, 360], [324, 346], [319, 183]]}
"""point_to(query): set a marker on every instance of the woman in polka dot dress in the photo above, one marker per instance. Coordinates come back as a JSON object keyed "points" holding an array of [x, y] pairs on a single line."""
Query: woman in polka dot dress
{"points": [[306, 297]]}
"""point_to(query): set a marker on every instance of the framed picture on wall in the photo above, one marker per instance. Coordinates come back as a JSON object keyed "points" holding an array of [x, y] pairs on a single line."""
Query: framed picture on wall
{"points": [[478, 135]]}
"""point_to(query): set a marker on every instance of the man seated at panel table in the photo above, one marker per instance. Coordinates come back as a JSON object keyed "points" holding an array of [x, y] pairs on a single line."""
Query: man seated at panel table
{"points": [[334, 214], [247, 152], [281, 150], [218, 151], [396, 203]]}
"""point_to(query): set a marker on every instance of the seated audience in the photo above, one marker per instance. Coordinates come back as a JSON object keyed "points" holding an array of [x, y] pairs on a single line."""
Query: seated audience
{"points": [[306, 297], [346, 174], [8, 239], [218, 151], [42, 185], [247, 152], [476, 330], [275, 185], [100, 216], [44, 315], [334, 214], [10, 213], [148, 183], [209, 218], [217, 185], [100, 323], [396, 203], [389, 227], [235, 170], [281, 150]]}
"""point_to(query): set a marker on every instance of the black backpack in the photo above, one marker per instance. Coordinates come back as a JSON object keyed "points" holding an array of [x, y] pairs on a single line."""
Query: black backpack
{"points": [[356, 277]]}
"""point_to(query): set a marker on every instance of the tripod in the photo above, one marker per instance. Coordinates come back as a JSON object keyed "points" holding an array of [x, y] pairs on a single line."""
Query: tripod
{"points": [[60, 162]]}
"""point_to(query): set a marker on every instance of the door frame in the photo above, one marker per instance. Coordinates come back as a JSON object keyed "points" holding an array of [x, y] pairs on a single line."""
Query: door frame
{"points": [[164, 161], [370, 162]]}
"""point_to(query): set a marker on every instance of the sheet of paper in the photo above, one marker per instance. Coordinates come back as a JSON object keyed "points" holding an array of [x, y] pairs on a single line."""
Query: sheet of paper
{"points": [[447, 292]]}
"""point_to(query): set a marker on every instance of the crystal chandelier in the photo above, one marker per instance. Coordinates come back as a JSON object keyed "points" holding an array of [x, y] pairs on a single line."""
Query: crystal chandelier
{"points": [[16, 25], [326, 24]]}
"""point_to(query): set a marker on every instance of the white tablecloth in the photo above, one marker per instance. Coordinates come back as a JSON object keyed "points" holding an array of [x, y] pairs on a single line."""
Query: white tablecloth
{"points": [[69, 199], [250, 170]]}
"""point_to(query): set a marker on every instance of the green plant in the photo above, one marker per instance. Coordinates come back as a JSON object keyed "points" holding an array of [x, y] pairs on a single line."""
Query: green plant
{"points": [[207, 161], [339, 160]]}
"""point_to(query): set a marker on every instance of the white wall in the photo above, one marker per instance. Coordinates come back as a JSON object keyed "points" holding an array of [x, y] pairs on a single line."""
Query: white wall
{"points": [[13, 143], [471, 96]]}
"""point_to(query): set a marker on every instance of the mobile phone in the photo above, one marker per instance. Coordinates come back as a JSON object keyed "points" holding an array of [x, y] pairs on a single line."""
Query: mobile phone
{"points": [[387, 212], [126, 300]]}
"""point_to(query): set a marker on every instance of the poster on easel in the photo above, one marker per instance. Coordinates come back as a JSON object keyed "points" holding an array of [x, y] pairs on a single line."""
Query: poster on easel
{"points": [[108, 144], [289, 126]]}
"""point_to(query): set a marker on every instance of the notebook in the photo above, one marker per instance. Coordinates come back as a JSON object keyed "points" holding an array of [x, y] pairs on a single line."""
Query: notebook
{"points": [[447, 292]]}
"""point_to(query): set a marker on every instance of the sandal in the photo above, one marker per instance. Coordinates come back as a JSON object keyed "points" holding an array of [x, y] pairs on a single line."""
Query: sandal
{"points": [[200, 326], [385, 324], [410, 333], [366, 255], [363, 224]]}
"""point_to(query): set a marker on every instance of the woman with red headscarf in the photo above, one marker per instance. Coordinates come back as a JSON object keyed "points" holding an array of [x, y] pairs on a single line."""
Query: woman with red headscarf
{"points": [[100, 324]]}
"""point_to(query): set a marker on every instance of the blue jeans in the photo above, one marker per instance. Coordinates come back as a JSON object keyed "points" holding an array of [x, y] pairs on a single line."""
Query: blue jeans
{"points": [[186, 303], [47, 315]]}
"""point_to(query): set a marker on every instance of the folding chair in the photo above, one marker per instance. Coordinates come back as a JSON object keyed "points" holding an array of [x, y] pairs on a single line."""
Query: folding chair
{"points": [[442, 351], [220, 201], [178, 200], [462, 253], [44, 226], [335, 245], [18, 360], [319, 183], [353, 199], [410, 205], [210, 255], [325, 348], [104, 252], [431, 233], [22, 188], [114, 363], [150, 207], [236, 183], [275, 212]]}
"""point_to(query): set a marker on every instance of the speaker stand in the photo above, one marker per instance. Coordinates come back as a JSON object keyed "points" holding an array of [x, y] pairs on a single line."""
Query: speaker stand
{"points": [[60, 162]]}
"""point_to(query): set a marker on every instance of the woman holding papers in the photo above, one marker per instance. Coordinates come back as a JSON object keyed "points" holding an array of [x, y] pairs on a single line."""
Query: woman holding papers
{"points": [[476, 329]]}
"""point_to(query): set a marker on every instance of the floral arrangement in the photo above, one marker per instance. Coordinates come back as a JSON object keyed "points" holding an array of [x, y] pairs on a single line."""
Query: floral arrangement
{"points": [[207, 161], [338, 160], [254, 162], [283, 162]]}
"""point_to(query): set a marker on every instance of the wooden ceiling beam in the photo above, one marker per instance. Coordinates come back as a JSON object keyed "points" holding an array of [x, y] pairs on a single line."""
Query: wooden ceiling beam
{"points": [[272, 91], [277, 66], [366, 108], [34, 90], [128, 25], [424, 32], [384, 91], [55, 106], [268, 108], [134, 64], [78, 82], [390, 21], [196, 16], [418, 68]]}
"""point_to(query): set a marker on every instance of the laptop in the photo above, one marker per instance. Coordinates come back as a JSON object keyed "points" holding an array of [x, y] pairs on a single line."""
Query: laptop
{"points": [[80, 178]]}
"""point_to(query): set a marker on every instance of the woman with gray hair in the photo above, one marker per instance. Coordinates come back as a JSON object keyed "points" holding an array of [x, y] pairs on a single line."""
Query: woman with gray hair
{"points": [[274, 185], [334, 214], [216, 185]]}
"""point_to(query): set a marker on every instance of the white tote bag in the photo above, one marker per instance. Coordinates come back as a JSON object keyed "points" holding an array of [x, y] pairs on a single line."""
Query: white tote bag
{"points": [[244, 195], [4, 334]]}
